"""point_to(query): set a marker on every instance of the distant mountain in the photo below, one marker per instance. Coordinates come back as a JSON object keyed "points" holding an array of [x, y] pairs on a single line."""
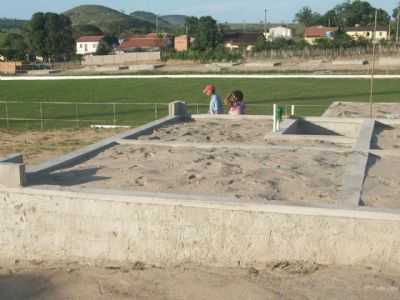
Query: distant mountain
{"points": [[151, 18], [177, 20], [6, 24], [107, 19]]}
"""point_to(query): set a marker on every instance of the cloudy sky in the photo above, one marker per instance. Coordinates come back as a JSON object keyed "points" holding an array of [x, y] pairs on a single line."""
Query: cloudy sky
{"points": [[222, 10]]}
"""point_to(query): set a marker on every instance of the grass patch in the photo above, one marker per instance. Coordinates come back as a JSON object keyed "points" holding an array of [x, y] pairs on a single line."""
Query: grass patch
{"points": [[263, 92]]}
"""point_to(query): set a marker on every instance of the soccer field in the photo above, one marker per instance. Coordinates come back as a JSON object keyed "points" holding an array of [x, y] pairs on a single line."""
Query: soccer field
{"points": [[24, 98]]}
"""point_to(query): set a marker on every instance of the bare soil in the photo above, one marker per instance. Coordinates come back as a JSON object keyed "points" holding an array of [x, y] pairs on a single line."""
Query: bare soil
{"points": [[39, 146], [298, 176], [283, 280], [230, 131], [382, 184], [362, 110], [386, 137]]}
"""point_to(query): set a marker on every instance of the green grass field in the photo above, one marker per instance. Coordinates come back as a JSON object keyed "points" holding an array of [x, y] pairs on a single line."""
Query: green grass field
{"points": [[263, 92]]}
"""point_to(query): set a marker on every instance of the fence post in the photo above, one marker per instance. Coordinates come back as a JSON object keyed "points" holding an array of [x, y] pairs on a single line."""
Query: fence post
{"points": [[6, 111], [155, 111], [77, 115], [41, 116], [115, 113], [197, 108]]}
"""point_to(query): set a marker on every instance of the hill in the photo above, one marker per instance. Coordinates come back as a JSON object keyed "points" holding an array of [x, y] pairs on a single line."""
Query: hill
{"points": [[107, 19], [6, 24], [177, 20], [151, 18]]}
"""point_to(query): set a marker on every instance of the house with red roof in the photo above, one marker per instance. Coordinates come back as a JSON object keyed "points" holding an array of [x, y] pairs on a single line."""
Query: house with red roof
{"points": [[311, 34], [88, 44], [150, 42]]}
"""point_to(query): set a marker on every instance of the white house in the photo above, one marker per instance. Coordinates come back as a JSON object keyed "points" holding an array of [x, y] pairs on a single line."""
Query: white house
{"points": [[367, 32], [2, 58], [278, 32], [88, 44]]}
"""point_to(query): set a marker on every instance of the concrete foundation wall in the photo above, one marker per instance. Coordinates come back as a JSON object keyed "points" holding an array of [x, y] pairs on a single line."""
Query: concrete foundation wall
{"points": [[124, 58], [100, 228]]}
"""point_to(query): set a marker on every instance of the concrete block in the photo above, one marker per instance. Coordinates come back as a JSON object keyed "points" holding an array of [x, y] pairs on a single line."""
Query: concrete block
{"points": [[389, 61], [356, 62], [138, 68], [12, 175], [177, 108]]}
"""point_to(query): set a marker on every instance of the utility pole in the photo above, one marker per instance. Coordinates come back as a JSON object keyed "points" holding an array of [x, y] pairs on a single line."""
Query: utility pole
{"points": [[265, 20], [398, 23], [156, 23], [374, 42]]}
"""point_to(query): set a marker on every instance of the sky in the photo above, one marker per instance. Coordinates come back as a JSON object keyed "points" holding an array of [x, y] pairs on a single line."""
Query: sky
{"points": [[250, 11]]}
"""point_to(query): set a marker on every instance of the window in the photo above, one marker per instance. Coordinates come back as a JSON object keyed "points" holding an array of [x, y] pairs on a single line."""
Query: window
{"points": [[80, 46], [381, 33], [94, 46]]}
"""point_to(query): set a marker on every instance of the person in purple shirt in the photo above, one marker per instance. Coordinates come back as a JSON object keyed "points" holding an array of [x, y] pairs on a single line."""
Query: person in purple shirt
{"points": [[216, 106]]}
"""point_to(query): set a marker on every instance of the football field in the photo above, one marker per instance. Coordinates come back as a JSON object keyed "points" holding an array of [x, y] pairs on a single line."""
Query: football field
{"points": [[73, 103]]}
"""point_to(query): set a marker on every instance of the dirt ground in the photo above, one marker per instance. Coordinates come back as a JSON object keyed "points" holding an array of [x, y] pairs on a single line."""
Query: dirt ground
{"points": [[386, 137], [381, 187], [39, 146], [214, 131], [298, 176], [240, 131], [362, 110], [284, 280]]}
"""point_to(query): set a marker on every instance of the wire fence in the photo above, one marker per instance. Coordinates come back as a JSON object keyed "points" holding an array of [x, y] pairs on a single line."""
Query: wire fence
{"points": [[49, 115]]}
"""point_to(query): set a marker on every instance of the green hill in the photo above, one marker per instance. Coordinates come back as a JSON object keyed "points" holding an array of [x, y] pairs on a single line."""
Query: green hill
{"points": [[177, 20], [107, 19], [151, 18], [7, 24]]}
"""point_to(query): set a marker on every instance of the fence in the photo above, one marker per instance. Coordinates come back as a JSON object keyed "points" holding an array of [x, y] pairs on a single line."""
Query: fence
{"points": [[326, 53], [43, 114]]}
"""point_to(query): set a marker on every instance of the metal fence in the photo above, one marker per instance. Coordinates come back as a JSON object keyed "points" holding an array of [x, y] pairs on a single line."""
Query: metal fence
{"points": [[44, 114]]}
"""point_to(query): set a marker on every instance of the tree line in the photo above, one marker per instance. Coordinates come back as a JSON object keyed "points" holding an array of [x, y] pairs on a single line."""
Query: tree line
{"points": [[47, 35]]}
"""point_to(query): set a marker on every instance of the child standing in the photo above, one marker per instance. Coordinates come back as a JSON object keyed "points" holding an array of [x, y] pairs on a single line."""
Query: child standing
{"points": [[235, 102], [216, 106]]}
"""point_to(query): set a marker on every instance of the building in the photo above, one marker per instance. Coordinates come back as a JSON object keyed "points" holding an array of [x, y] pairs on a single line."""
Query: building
{"points": [[237, 40], [88, 44], [2, 58], [311, 34], [150, 42], [182, 43], [278, 32], [367, 32]]}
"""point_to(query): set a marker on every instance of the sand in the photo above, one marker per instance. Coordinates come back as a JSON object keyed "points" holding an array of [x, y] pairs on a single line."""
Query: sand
{"points": [[39, 146], [382, 184], [362, 110], [225, 131], [298, 176], [283, 280], [214, 131]]}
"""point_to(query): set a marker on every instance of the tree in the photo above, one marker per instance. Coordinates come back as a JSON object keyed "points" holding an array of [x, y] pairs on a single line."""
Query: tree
{"points": [[260, 44], [50, 36], [192, 25], [87, 29], [349, 14], [14, 47], [207, 36], [307, 17]]}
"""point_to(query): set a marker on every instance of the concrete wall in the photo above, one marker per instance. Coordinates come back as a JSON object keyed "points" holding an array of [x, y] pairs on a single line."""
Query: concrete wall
{"points": [[101, 227], [124, 58], [348, 128], [9, 68]]}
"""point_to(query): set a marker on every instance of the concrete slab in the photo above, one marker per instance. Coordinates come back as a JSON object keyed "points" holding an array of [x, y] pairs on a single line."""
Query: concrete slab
{"points": [[97, 228], [356, 170], [12, 175]]}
